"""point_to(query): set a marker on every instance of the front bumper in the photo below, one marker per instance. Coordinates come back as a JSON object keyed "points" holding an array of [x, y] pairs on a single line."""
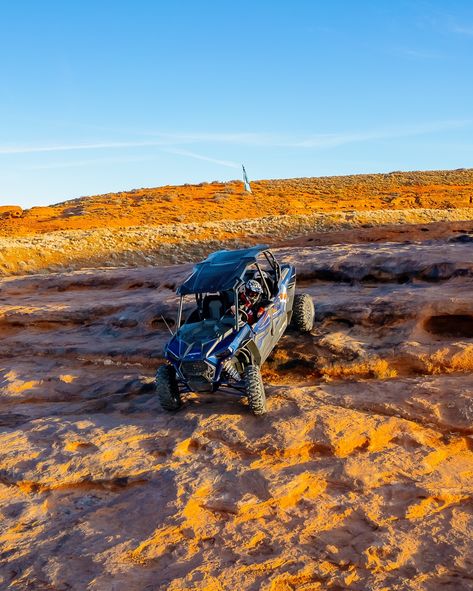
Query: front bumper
{"points": [[199, 375]]}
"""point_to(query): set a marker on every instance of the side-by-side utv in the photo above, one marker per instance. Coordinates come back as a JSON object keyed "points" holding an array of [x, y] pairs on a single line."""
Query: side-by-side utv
{"points": [[215, 347]]}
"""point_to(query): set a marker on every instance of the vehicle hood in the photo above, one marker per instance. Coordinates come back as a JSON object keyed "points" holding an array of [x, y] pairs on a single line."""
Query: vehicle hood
{"points": [[199, 339]]}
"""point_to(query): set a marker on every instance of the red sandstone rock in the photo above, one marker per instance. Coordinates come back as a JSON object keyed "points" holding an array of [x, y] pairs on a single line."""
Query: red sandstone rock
{"points": [[360, 477], [10, 211]]}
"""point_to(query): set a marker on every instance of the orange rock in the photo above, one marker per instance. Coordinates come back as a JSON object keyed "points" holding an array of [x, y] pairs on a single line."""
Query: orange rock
{"points": [[10, 211]]}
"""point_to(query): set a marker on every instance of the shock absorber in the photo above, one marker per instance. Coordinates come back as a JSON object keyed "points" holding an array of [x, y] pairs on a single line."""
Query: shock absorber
{"points": [[230, 370]]}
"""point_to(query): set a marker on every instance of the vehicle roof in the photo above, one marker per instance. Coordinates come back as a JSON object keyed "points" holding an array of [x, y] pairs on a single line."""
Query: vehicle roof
{"points": [[220, 271]]}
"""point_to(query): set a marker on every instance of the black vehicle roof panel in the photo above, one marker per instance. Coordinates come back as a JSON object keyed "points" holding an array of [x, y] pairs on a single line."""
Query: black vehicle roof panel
{"points": [[220, 271]]}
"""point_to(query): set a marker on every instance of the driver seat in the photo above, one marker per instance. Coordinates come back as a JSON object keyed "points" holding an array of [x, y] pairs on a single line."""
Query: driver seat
{"points": [[214, 307]]}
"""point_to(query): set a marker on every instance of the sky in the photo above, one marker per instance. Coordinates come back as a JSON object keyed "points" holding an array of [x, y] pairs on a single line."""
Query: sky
{"points": [[105, 96]]}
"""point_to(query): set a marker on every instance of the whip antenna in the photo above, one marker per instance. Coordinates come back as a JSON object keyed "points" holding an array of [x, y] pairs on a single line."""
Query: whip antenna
{"points": [[167, 325]]}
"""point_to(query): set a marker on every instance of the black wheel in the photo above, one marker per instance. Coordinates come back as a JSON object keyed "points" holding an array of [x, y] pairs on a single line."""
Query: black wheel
{"points": [[303, 312], [167, 388], [255, 389]]}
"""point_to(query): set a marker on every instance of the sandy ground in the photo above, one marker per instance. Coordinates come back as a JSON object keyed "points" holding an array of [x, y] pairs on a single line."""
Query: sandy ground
{"points": [[359, 477]]}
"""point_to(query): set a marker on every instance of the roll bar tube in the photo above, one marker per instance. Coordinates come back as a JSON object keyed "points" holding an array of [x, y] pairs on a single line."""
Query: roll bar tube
{"points": [[236, 289], [273, 263]]}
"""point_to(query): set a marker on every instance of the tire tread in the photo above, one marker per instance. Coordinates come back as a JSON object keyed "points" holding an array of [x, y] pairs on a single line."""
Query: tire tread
{"points": [[167, 388], [255, 390], [303, 312]]}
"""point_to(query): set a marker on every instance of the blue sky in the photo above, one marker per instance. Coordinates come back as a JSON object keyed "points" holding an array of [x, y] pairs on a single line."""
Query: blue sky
{"points": [[113, 95]]}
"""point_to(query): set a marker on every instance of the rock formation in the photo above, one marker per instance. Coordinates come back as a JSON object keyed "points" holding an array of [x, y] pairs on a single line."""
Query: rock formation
{"points": [[359, 477], [10, 211]]}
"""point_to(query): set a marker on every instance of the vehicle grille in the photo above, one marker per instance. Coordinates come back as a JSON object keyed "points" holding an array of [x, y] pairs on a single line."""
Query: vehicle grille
{"points": [[201, 369]]}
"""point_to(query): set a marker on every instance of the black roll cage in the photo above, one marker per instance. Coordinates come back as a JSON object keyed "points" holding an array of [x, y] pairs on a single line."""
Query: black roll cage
{"points": [[199, 297]]}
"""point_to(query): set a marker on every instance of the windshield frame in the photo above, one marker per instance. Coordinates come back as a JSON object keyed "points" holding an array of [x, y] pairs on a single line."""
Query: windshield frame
{"points": [[199, 298]]}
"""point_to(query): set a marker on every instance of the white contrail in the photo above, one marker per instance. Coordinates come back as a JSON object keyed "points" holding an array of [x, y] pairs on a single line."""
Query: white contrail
{"points": [[70, 147], [326, 140], [228, 163], [323, 140], [339, 139], [95, 161], [89, 162]]}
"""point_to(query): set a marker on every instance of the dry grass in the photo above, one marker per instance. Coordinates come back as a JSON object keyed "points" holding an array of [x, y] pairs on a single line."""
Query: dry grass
{"points": [[363, 368], [449, 360], [156, 245]]}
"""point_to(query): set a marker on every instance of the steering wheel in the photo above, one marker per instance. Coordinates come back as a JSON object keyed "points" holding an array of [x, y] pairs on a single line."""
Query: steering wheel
{"points": [[243, 316]]}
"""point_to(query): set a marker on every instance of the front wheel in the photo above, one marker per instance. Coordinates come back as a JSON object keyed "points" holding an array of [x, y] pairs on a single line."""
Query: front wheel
{"points": [[303, 312], [167, 388], [255, 390]]}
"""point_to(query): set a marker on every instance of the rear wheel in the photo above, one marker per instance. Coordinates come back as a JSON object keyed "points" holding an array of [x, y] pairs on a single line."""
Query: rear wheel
{"points": [[303, 312], [255, 390], [167, 388]]}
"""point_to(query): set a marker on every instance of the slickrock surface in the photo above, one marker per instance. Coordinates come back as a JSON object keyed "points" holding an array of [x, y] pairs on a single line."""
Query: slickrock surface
{"points": [[360, 476]]}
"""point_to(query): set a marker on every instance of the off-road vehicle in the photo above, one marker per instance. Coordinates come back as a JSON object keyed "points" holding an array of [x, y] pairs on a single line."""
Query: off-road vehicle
{"points": [[214, 346]]}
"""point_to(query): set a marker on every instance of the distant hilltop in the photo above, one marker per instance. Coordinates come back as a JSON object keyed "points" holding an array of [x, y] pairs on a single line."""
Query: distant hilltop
{"points": [[217, 201]]}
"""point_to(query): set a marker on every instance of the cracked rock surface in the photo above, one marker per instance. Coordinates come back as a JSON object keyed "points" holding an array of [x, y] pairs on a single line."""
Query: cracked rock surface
{"points": [[359, 477]]}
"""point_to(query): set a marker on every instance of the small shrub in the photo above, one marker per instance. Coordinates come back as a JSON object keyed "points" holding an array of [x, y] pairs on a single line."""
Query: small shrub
{"points": [[219, 197], [167, 197]]}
